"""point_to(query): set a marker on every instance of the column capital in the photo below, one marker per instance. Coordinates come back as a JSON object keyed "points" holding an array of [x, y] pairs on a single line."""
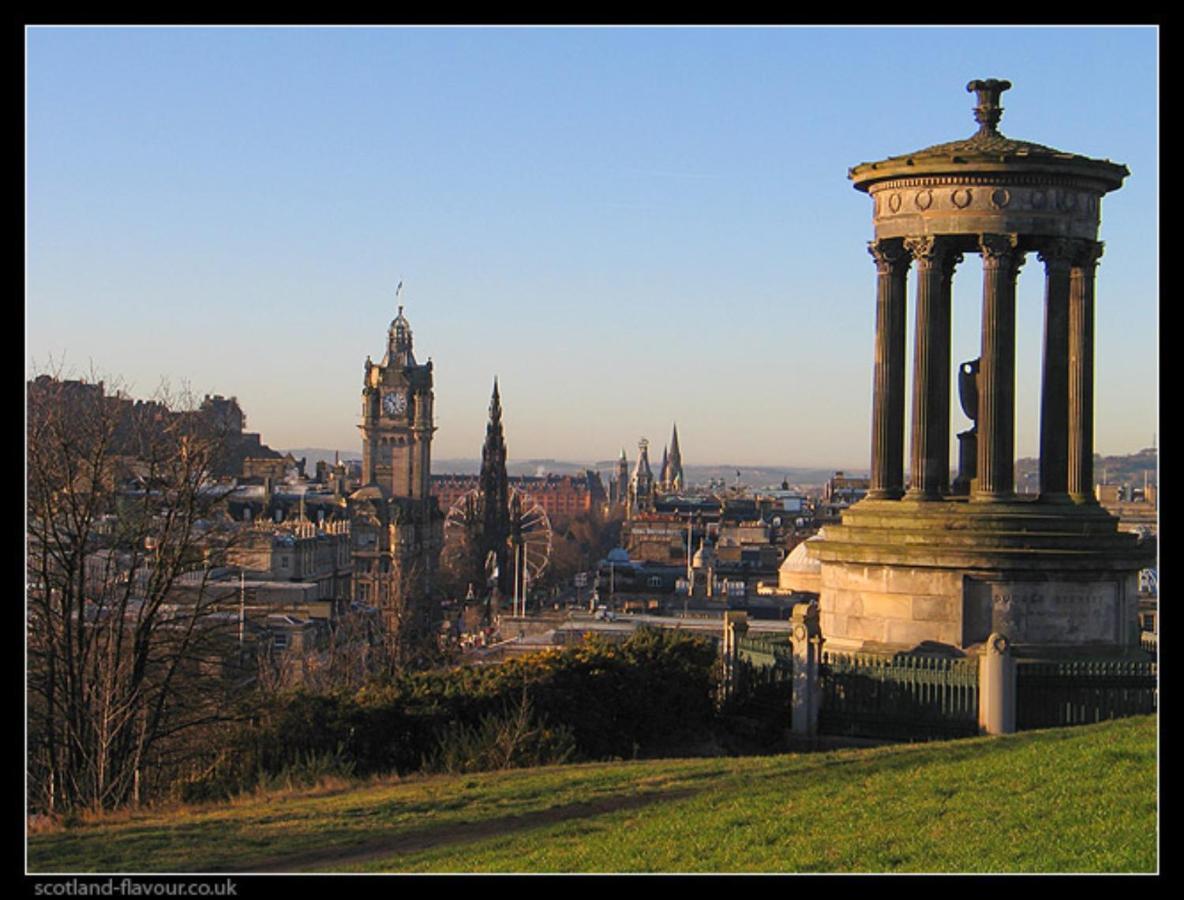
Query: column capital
{"points": [[1087, 253], [890, 255], [924, 247], [999, 250], [1057, 253], [933, 251]]}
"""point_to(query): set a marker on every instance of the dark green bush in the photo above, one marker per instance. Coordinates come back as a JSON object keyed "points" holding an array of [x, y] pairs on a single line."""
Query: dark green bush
{"points": [[645, 696], [517, 738]]}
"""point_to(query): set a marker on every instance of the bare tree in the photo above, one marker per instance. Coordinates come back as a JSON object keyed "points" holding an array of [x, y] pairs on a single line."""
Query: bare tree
{"points": [[127, 654], [407, 637]]}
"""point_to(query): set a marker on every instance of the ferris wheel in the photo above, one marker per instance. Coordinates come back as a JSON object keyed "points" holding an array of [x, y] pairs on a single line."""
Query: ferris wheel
{"points": [[530, 531]]}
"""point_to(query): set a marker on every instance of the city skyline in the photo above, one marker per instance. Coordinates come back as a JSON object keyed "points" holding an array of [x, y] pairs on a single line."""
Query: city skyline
{"points": [[628, 227]]}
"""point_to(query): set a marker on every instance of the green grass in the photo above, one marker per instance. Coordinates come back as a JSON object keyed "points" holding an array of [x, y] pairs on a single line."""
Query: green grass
{"points": [[1067, 800]]}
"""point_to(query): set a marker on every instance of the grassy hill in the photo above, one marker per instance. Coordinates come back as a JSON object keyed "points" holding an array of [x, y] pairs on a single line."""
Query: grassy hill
{"points": [[1065, 800]]}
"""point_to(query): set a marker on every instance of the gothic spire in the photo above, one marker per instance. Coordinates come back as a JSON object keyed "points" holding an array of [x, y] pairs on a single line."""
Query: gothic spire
{"points": [[676, 480], [493, 454], [495, 404], [494, 485]]}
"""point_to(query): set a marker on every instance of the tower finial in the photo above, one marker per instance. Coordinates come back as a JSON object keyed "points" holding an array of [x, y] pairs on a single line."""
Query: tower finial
{"points": [[988, 111]]}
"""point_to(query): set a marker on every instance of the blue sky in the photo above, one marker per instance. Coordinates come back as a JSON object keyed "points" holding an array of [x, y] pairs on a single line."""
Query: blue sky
{"points": [[628, 226]]}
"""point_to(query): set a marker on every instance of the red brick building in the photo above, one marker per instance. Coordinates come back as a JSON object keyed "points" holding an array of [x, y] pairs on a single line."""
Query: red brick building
{"points": [[562, 496]]}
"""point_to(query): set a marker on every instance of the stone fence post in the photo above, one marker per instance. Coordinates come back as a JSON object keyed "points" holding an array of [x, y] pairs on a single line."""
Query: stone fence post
{"points": [[996, 687], [735, 627], [807, 656]]}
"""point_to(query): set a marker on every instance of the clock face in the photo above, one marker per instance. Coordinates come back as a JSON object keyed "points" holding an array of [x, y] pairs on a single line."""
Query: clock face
{"points": [[394, 403]]}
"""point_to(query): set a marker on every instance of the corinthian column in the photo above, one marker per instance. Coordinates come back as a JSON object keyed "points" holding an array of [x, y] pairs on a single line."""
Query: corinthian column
{"points": [[892, 266], [1081, 371], [996, 396], [1054, 390], [930, 460]]}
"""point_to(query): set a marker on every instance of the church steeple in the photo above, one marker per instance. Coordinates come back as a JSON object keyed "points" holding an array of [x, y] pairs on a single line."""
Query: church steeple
{"points": [[674, 477]]}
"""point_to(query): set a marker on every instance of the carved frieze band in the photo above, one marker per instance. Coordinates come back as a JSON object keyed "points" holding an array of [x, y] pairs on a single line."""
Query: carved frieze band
{"points": [[1045, 181], [966, 196]]}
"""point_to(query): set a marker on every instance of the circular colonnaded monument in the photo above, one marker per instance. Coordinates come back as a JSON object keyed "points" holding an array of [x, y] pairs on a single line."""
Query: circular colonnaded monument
{"points": [[944, 565]]}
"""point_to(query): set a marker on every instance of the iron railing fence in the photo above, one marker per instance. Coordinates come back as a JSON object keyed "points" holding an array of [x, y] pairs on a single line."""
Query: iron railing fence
{"points": [[1052, 693], [900, 697]]}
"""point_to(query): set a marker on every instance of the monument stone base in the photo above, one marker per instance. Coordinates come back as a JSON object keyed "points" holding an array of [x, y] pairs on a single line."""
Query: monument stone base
{"points": [[945, 575]]}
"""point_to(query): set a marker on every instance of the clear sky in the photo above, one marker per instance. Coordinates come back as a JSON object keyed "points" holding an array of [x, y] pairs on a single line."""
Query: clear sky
{"points": [[628, 226]]}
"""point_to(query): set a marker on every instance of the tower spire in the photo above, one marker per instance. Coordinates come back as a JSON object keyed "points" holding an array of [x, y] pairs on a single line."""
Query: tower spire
{"points": [[641, 484], [676, 480], [494, 485]]}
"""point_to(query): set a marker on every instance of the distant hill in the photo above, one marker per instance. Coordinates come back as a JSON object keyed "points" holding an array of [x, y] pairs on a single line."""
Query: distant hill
{"points": [[750, 476], [313, 455], [1128, 469]]}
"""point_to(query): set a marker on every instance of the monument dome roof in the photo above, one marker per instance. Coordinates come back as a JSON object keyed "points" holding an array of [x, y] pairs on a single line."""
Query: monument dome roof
{"points": [[989, 151]]}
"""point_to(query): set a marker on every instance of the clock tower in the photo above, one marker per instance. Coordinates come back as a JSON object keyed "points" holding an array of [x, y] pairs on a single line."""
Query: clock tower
{"points": [[396, 527], [397, 418]]}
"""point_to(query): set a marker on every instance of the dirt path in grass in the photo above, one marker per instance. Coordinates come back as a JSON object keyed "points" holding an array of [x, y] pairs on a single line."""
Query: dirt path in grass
{"points": [[455, 833]]}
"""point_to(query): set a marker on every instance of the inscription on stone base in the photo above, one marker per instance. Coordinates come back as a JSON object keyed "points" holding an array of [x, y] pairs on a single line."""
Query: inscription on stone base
{"points": [[1039, 612]]}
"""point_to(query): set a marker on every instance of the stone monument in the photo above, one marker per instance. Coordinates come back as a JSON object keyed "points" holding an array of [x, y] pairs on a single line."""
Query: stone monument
{"points": [[925, 565]]}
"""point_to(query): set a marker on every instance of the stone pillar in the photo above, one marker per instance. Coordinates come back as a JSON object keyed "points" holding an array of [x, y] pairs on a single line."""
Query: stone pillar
{"points": [[995, 465], [807, 656], [887, 475], [1054, 390], [735, 627], [996, 687], [930, 459], [1081, 372]]}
